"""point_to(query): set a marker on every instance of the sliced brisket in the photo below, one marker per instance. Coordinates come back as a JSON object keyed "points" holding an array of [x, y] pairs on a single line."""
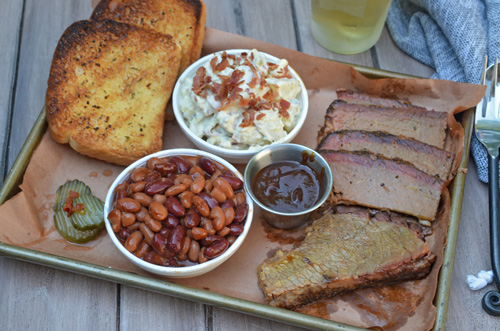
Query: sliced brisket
{"points": [[429, 159], [367, 180], [355, 97], [343, 252], [425, 126]]}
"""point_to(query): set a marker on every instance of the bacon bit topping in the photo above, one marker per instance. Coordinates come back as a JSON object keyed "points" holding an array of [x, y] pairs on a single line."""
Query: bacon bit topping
{"points": [[223, 64], [68, 206], [201, 82], [248, 118], [213, 63], [260, 116], [283, 108]]}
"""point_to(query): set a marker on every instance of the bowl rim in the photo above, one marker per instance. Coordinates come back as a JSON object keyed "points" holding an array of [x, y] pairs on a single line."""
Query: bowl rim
{"points": [[317, 156], [196, 269], [228, 151]]}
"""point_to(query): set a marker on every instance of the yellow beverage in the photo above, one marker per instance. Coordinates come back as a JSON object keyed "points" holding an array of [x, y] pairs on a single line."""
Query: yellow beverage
{"points": [[348, 26]]}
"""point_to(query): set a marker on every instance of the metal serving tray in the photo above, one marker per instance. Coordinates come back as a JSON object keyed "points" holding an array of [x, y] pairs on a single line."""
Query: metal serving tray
{"points": [[14, 178]]}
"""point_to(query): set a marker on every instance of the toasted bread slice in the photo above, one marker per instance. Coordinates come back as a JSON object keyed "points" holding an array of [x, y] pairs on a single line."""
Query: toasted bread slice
{"points": [[182, 19], [108, 88]]}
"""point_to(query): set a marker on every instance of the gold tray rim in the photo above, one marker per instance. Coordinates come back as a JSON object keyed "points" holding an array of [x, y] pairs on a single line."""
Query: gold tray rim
{"points": [[16, 173]]}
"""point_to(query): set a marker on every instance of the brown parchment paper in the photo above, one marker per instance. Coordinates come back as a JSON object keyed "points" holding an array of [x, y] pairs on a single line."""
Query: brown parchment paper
{"points": [[26, 219]]}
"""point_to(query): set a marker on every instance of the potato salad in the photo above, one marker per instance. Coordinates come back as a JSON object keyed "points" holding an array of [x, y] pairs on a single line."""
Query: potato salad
{"points": [[241, 101]]}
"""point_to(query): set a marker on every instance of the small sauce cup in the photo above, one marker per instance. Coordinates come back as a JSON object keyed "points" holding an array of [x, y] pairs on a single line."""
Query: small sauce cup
{"points": [[288, 152]]}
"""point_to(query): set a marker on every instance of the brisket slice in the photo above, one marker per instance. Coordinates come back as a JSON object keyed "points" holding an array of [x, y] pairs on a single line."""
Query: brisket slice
{"points": [[367, 180], [344, 252], [429, 159], [425, 126], [355, 97]]}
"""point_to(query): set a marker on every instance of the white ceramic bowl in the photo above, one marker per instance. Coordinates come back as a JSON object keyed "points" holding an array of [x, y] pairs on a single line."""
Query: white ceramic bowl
{"points": [[176, 272], [233, 155]]}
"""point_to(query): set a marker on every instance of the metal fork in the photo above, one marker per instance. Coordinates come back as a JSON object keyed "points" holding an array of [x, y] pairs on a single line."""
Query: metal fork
{"points": [[487, 127]]}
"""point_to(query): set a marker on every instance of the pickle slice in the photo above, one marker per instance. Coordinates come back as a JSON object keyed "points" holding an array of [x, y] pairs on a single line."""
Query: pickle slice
{"points": [[69, 232], [63, 192], [91, 217]]}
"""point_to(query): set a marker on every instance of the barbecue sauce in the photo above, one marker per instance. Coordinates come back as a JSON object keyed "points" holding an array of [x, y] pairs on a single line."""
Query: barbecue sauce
{"points": [[287, 186]]}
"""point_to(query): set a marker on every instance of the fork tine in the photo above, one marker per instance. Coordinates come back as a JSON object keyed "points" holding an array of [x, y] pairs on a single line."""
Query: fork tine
{"points": [[494, 82], [483, 81]]}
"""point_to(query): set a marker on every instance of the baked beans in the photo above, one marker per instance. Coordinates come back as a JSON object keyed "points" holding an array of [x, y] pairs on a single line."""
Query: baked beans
{"points": [[179, 210]]}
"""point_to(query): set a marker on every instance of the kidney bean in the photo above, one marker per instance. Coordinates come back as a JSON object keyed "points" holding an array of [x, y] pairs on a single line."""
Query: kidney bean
{"points": [[229, 213], [120, 195], [174, 206], [123, 233], [138, 174], [133, 241], [196, 171], [228, 204], [198, 233], [235, 182], [142, 249], [160, 198], [164, 232], [224, 186], [210, 239], [142, 198], [122, 186], [152, 162], [128, 204], [115, 218], [230, 239], [176, 189], [171, 221], [208, 185], [197, 185], [207, 165], [181, 257], [152, 176], [137, 187], [141, 214], [175, 238], [194, 251], [183, 179], [166, 168], [155, 258], [158, 211], [191, 219], [153, 224], [159, 244], [158, 186], [201, 256], [211, 202], [218, 218], [134, 226], [201, 206], [207, 225], [223, 232], [240, 213], [128, 218], [182, 165], [235, 229], [218, 195], [240, 198], [186, 243], [147, 233], [186, 199], [216, 249]]}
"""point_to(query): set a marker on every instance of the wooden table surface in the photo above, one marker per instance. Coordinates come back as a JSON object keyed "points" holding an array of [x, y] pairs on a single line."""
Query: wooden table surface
{"points": [[34, 297]]}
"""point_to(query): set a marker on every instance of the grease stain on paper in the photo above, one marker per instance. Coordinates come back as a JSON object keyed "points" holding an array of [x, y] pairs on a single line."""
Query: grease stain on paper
{"points": [[107, 172]]}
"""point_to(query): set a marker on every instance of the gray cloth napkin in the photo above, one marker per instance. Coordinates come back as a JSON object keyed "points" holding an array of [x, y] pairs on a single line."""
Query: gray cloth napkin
{"points": [[453, 37]]}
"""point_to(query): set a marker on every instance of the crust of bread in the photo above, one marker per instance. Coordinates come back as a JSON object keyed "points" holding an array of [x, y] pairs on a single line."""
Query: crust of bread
{"points": [[108, 88], [182, 19]]}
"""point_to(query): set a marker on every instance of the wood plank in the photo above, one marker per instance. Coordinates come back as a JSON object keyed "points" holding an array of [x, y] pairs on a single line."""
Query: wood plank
{"points": [[144, 310], [41, 297], [10, 18], [472, 255], [390, 57], [255, 19]]}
